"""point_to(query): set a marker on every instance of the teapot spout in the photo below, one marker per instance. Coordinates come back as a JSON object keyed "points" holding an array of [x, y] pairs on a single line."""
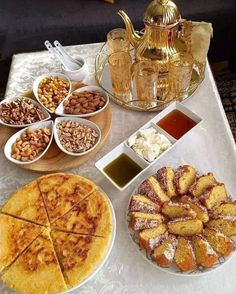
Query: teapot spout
{"points": [[134, 38]]}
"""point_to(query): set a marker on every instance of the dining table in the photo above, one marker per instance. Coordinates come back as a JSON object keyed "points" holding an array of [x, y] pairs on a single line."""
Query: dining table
{"points": [[210, 147]]}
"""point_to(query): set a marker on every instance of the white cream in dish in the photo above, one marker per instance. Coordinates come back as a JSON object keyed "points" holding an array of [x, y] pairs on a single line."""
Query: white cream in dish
{"points": [[149, 144]]}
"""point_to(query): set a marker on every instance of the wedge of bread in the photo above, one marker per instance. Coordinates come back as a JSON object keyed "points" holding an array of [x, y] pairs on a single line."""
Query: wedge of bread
{"points": [[185, 226], [143, 204], [185, 176], [219, 242], [165, 176], [227, 208], [201, 184], [184, 255], [165, 251], [141, 220], [150, 238], [195, 204], [214, 195], [153, 190], [225, 224], [205, 254], [173, 210]]}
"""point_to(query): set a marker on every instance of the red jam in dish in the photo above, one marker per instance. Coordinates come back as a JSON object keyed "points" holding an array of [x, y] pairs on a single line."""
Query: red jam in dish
{"points": [[176, 124]]}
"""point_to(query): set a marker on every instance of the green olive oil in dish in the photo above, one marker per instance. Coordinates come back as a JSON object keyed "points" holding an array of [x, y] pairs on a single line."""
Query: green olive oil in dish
{"points": [[122, 170]]}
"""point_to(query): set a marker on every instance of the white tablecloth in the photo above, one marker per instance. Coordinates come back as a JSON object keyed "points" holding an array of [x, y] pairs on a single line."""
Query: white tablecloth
{"points": [[209, 148]]}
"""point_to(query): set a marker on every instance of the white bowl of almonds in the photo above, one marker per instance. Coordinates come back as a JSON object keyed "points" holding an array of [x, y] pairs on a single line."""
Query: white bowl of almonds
{"points": [[51, 89], [29, 144], [76, 136], [19, 112]]}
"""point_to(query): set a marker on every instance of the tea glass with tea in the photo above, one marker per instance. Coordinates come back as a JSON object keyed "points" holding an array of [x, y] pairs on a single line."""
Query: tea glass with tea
{"points": [[120, 64], [117, 40], [180, 74]]}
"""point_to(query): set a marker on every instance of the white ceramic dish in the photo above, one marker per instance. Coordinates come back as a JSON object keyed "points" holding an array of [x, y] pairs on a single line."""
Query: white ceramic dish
{"points": [[173, 269], [60, 108], [12, 140], [124, 148], [79, 74], [81, 121], [39, 79], [10, 99], [109, 248]]}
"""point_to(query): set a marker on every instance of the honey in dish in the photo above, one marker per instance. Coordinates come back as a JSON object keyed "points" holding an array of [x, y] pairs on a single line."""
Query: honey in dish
{"points": [[176, 124], [122, 170]]}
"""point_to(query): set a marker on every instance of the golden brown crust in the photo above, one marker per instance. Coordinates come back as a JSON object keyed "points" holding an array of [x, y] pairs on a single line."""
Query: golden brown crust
{"points": [[177, 210], [225, 224], [214, 195], [165, 176], [184, 255], [227, 208], [141, 221], [37, 270], [142, 203], [165, 251], [91, 216], [185, 226], [15, 236], [149, 238], [185, 175], [201, 184]]}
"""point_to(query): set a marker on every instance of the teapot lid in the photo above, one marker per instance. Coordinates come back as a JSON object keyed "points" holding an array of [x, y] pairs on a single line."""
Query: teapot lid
{"points": [[162, 13]]}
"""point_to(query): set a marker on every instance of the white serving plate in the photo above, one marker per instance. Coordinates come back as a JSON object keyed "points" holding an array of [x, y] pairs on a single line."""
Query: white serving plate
{"points": [[39, 79], [10, 99], [81, 121], [124, 148], [60, 108], [12, 139], [173, 269]]}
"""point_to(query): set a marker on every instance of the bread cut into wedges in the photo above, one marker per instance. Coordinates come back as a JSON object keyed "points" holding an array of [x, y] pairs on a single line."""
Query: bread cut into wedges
{"points": [[184, 255], [218, 241], [214, 195], [225, 224], [165, 251], [143, 204], [62, 191], [37, 270], [149, 238], [205, 254], [27, 203], [79, 255], [91, 216], [177, 210], [165, 176], [185, 226], [201, 184], [196, 205], [153, 190], [15, 236], [141, 220], [185, 176], [227, 208]]}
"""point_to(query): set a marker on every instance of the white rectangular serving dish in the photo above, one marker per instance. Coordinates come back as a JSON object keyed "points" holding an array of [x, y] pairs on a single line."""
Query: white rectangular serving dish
{"points": [[124, 148]]}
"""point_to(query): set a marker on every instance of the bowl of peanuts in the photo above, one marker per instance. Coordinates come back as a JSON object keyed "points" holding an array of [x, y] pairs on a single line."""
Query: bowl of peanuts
{"points": [[51, 89], [76, 136], [29, 144], [83, 102]]}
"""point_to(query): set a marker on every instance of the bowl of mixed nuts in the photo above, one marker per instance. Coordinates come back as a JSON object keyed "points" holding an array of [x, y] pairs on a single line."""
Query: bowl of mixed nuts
{"points": [[19, 112], [83, 102], [51, 89], [29, 144], [76, 136]]}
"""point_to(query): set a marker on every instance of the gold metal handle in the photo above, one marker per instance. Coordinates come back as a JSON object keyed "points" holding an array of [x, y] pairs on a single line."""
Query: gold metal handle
{"points": [[163, 1]]}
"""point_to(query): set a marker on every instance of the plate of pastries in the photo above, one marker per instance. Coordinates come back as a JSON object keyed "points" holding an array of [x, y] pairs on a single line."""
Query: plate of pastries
{"points": [[183, 222], [55, 234]]}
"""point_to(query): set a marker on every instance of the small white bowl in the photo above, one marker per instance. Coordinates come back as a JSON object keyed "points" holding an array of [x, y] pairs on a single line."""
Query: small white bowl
{"points": [[12, 140], [10, 99], [81, 121], [77, 75], [60, 108], [40, 78]]}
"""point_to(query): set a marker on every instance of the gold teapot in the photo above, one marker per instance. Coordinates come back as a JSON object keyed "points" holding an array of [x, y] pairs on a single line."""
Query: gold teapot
{"points": [[160, 38]]}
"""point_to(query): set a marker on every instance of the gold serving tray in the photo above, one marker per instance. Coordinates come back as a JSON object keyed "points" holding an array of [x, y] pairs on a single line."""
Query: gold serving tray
{"points": [[103, 79]]}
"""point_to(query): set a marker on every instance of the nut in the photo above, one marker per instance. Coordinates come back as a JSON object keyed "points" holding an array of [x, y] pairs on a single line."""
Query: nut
{"points": [[84, 102], [30, 144], [52, 90], [20, 112], [76, 137]]}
